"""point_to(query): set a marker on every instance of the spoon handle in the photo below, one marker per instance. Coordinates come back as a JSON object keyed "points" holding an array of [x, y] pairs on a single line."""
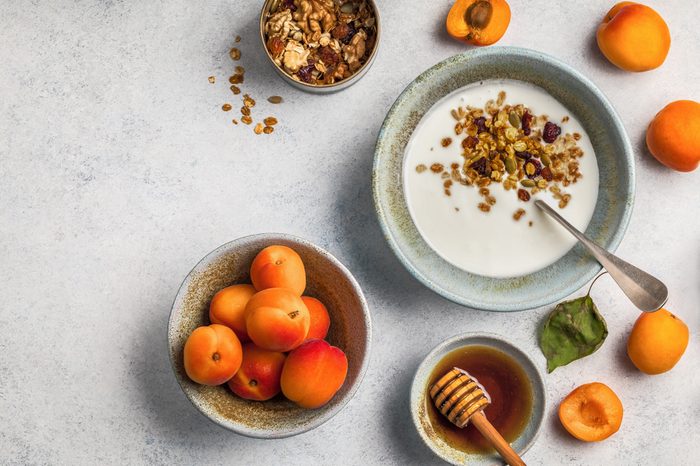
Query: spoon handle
{"points": [[645, 291]]}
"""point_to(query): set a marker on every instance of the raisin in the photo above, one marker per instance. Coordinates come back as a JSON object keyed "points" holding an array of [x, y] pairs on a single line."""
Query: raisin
{"points": [[551, 132], [523, 195], [547, 174], [480, 125], [328, 56], [533, 168], [275, 45], [340, 31], [305, 73], [523, 155], [526, 120], [481, 166], [289, 4]]}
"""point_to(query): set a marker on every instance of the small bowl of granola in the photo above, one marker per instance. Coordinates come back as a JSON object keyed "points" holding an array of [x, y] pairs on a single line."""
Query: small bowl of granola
{"points": [[320, 46]]}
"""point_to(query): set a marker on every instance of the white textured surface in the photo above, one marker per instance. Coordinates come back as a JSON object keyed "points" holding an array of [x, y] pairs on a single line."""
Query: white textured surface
{"points": [[118, 171]]}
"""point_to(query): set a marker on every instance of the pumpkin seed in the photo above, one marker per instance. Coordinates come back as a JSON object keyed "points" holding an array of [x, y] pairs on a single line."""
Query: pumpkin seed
{"points": [[546, 160], [510, 165], [527, 183], [514, 119]]}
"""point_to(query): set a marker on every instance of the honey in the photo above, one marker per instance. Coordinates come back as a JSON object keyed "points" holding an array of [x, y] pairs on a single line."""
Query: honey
{"points": [[506, 383]]}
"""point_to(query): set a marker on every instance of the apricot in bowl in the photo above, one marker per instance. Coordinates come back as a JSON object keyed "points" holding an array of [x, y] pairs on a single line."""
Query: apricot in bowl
{"points": [[326, 279]]}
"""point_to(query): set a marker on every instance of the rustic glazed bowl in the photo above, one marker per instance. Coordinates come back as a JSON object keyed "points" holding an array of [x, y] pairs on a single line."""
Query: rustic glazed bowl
{"points": [[614, 157], [316, 88], [420, 399], [327, 280]]}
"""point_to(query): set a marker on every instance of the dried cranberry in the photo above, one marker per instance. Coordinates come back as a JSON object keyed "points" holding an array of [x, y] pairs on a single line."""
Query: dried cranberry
{"points": [[480, 125], [328, 56], [470, 142], [551, 132], [341, 31], [523, 155], [305, 73], [533, 168], [289, 4], [523, 195], [481, 167], [547, 174], [526, 120]]}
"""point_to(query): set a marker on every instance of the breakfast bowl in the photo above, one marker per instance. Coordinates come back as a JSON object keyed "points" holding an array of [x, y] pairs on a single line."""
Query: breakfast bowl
{"points": [[327, 279], [533, 285], [320, 56], [439, 435]]}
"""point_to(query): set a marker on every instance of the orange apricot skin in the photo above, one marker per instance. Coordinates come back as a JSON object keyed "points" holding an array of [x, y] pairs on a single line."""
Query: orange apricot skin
{"points": [[657, 341], [278, 267], [277, 319], [313, 373], [259, 376], [673, 136], [458, 27], [591, 412], [228, 308], [320, 321], [634, 37], [212, 354]]}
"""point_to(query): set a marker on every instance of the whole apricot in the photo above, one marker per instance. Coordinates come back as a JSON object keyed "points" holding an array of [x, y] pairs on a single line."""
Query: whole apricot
{"points": [[278, 267], [634, 37], [478, 22], [212, 354], [673, 136], [277, 319], [657, 342], [228, 308], [313, 373], [319, 321], [592, 412], [259, 376]]}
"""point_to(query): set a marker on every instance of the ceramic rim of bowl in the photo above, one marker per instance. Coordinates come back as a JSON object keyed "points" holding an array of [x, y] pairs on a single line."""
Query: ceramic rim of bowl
{"points": [[323, 418], [474, 301], [323, 88], [427, 365]]}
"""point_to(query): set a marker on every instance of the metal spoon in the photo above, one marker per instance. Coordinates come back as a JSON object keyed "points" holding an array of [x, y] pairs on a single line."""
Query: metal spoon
{"points": [[645, 291]]}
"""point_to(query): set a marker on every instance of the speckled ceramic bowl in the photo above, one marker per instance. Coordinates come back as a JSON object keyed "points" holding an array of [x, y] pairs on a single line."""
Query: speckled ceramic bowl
{"points": [[583, 99], [420, 398], [325, 88], [327, 279]]}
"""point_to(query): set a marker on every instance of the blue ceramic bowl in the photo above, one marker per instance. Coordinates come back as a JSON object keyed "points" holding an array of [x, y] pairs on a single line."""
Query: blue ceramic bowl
{"points": [[610, 142], [420, 399]]}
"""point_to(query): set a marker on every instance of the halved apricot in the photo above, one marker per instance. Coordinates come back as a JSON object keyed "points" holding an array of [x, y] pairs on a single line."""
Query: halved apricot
{"points": [[478, 22], [212, 354], [592, 412]]}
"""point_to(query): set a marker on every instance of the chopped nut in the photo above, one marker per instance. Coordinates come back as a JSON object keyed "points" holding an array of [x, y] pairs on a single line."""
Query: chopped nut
{"points": [[235, 89], [246, 119], [245, 111], [436, 168], [212, 79], [446, 142], [518, 214], [268, 129], [484, 207], [235, 54], [258, 128], [270, 121], [248, 101]]}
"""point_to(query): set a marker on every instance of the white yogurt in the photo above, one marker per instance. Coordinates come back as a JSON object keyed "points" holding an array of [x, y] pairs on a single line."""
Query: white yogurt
{"points": [[492, 244]]}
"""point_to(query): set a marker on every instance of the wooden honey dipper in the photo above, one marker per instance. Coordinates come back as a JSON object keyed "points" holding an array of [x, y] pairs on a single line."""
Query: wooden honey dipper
{"points": [[461, 399]]}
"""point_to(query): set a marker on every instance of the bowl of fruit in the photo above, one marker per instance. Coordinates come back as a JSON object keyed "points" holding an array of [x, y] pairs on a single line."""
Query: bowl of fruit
{"points": [[269, 336]]}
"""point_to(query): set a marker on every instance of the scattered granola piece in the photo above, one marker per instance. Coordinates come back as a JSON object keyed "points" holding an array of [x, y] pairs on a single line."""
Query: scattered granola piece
{"points": [[234, 121], [436, 168], [246, 119], [518, 214], [270, 121], [226, 107], [275, 99], [258, 128], [235, 89], [484, 207], [446, 142], [212, 79], [237, 39], [421, 168], [235, 54], [268, 129]]}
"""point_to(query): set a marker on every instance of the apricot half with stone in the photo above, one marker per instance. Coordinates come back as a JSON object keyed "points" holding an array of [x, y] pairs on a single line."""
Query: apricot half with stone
{"points": [[478, 22]]}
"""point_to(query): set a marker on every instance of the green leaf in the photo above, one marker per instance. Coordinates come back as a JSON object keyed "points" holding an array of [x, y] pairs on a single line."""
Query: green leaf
{"points": [[573, 330]]}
